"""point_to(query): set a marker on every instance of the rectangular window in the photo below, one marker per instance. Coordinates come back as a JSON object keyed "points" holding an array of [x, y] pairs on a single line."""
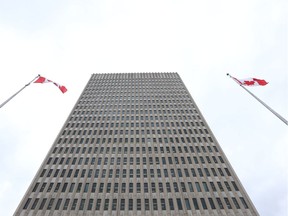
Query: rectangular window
{"points": [[227, 203], [122, 204], [130, 187], [35, 203], [163, 205], [90, 204], [58, 204], [50, 204], [106, 204], [82, 203], [123, 189], [138, 204], [203, 203], [244, 203], [235, 203], [179, 204], [138, 188], [187, 203], [130, 207], [145, 187], [114, 204], [146, 204], [98, 204], [66, 204], [219, 203], [171, 204], [198, 186], [94, 185], [116, 188], [195, 203], [74, 204], [211, 203], [155, 206]]}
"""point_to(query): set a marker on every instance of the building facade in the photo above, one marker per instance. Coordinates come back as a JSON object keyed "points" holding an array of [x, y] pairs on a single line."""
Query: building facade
{"points": [[135, 144]]}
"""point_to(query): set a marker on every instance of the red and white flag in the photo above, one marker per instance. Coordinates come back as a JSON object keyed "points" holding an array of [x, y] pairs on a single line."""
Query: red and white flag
{"points": [[45, 80], [251, 82]]}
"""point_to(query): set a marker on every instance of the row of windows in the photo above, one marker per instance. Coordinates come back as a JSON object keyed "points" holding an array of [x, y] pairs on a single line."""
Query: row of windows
{"points": [[134, 82], [135, 204], [109, 107], [115, 173], [132, 117], [156, 160], [137, 149], [135, 95], [132, 132], [132, 140], [117, 160], [134, 187]]}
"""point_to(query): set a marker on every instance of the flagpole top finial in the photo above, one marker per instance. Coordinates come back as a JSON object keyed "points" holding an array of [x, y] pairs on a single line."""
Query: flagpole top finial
{"points": [[228, 74]]}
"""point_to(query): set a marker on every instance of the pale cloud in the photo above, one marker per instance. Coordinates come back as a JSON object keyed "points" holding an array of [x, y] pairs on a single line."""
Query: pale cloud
{"points": [[201, 40]]}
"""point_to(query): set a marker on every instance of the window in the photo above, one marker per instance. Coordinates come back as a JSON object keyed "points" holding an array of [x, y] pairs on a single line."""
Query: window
{"points": [[206, 189], [90, 204], [171, 205], [235, 203], [138, 204], [108, 189], [106, 204], [203, 203], [183, 187], [130, 207], [123, 187], [35, 203], [122, 204], [220, 186], [138, 187], [66, 204], [101, 187], [244, 203], [98, 204], [130, 187], [179, 204], [155, 206], [163, 205], [79, 188], [190, 187], [160, 187], [198, 186], [219, 203], [187, 203], [211, 203], [168, 188], [227, 203], [114, 204], [145, 187], [146, 204], [74, 204], [195, 203], [116, 188], [82, 203]]}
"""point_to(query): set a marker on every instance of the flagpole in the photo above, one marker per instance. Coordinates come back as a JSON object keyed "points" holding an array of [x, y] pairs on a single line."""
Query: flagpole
{"points": [[18, 92], [265, 105]]}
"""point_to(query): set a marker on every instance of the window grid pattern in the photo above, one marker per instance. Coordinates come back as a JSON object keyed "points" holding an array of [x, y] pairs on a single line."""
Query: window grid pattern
{"points": [[136, 142]]}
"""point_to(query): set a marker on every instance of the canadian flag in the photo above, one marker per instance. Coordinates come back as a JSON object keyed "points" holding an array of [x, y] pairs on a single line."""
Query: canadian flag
{"points": [[45, 80], [251, 82]]}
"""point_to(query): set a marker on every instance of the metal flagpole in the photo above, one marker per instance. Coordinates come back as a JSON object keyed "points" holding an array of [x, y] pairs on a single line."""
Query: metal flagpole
{"points": [[18, 92], [269, 108]]}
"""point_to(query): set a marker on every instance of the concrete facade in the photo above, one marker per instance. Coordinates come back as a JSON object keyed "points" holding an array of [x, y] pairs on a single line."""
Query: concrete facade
{"points": [[135, 144]]}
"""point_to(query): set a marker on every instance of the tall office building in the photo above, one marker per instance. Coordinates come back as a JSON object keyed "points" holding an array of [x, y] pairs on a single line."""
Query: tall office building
{"points": [[135, 144]]}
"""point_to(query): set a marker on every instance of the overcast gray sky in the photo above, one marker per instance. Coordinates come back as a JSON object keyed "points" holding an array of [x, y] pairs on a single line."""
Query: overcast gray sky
{"points": [[67, 41]]}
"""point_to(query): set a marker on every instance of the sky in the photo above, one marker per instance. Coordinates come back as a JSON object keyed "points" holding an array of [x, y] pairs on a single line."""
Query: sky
{"points": [[67, 41]]}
